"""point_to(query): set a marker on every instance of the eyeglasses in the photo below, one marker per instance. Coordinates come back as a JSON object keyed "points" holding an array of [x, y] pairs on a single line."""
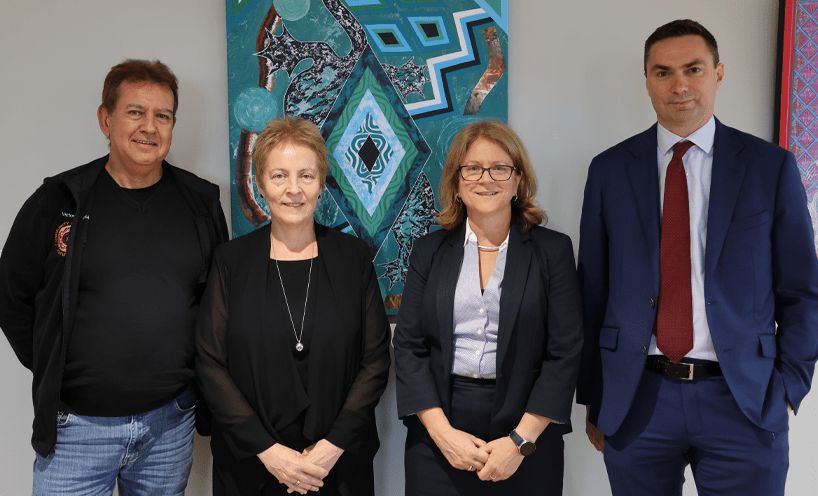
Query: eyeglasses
{"points": [[496, 172]]}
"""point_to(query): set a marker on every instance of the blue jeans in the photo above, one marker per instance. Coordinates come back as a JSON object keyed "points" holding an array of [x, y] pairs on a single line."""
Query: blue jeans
{"points": [[146, 454]]}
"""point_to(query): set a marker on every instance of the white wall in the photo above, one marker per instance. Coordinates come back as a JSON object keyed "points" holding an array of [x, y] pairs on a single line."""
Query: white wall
{"points": [[576, 88]]}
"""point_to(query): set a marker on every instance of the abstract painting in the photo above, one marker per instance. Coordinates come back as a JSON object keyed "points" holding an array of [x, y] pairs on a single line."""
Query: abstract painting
{"points": [[388, 82], [797, 124]]}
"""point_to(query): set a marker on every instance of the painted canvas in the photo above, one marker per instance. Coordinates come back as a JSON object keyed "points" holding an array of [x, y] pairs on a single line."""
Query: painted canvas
{"points": [[388, 82], [797, 125]]}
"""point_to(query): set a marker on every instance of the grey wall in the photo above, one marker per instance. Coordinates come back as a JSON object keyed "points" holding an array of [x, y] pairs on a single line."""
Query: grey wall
{"points": [[576, 88]]}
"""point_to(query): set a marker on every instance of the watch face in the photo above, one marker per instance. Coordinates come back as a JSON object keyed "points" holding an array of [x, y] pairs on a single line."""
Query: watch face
{"points": [[527, 448]]}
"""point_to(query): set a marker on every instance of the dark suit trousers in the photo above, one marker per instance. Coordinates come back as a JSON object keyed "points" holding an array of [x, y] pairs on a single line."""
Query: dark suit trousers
{"points": [[673, 423]]}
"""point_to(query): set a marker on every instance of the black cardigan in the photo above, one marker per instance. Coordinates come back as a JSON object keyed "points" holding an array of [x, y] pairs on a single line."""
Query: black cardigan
{"points": [[247, 373]]}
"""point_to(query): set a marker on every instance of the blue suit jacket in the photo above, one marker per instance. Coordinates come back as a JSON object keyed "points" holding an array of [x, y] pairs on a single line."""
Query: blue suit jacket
{"points": [[760, 276], [539, 336]]}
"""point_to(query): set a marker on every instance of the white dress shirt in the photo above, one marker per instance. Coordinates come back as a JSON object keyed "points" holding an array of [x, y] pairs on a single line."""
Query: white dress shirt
{"points": [[698, 164]]}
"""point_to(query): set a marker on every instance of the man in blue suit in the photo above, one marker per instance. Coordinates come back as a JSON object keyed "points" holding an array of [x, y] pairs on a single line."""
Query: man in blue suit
{"points": [[700, 287]]}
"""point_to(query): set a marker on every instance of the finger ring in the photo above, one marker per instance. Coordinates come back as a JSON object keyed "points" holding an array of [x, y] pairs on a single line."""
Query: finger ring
{"points": [[297, 482], [471, 468], [492, 477]]}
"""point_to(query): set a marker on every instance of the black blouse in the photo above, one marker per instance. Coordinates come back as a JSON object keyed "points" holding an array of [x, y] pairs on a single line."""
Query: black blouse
{"points": [[297, 277], [245, 360]]}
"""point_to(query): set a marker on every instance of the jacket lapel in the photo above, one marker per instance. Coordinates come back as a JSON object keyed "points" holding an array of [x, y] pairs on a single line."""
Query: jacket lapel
{"points": [[515, 278], [643, 175], [728, 174], [450, 263]]}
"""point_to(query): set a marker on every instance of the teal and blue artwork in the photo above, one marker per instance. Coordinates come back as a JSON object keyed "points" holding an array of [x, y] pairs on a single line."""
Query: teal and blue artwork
{"points": [[388, 82]]}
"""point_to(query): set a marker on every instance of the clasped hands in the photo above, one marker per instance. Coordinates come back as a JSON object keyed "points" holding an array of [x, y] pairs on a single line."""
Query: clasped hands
{"points": [[301, 472], [493, 461]]}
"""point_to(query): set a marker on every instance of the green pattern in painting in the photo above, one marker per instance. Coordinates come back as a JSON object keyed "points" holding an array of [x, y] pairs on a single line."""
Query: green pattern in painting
{"points": [[369, 82]]}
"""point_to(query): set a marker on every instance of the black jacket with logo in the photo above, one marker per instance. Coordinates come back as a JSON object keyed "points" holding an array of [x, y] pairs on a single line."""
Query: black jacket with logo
{"points": [[39, 268]]}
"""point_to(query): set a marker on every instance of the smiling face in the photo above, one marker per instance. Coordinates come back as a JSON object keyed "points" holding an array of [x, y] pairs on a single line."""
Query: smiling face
{"points": [[487, 197], [291, 184], [682, 81], [140, 127]]}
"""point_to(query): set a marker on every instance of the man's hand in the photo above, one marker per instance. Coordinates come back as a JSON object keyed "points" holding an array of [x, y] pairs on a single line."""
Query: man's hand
{"points": [[504, 460], [595, 435]]}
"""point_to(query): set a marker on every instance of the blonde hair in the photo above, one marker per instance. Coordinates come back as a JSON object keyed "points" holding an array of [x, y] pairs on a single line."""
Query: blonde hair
{"points": [[290, 129], [523, 210]]}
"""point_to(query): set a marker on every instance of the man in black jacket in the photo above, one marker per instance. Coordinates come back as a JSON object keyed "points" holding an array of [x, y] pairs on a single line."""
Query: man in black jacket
{"points": [[100, 280]]}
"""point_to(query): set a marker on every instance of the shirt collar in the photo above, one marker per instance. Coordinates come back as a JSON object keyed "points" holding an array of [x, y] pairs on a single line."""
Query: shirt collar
{"points": [[702, 137], [470, 236]]}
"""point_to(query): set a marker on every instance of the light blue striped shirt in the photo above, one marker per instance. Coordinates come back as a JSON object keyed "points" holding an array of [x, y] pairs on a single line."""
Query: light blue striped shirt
{"points": [[476, 314]]}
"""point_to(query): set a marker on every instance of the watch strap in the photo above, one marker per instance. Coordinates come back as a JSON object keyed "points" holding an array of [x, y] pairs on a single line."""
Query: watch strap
{"points": [[525, 446]]}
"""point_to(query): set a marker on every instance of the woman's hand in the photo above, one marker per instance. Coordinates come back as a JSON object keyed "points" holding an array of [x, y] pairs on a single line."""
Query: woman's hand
{"points": [[504, 460], [504, 456], [323, 453], [461, 449], [292, 469]]}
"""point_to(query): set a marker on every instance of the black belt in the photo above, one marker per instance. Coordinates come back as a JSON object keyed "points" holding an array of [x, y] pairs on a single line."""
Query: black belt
{"points": [[682, 370], [474, 380]]}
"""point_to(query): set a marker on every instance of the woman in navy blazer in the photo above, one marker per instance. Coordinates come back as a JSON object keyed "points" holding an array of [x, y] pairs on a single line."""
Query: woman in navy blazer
{"points": [[490, 330]]}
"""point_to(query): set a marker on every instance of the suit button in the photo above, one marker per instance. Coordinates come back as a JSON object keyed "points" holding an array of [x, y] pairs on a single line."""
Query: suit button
{"points": [[652, 303], [645, 348]]}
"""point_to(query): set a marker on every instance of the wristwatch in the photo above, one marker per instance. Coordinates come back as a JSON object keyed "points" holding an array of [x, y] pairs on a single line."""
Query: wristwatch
{"points": [[525, 446]]}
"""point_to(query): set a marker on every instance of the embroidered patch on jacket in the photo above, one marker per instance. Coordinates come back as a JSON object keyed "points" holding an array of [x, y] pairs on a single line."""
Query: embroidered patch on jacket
{"points": [[61, 238]]}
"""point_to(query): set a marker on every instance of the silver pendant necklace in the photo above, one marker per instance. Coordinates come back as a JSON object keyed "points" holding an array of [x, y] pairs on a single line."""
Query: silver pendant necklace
{"points": [[298, 346]]}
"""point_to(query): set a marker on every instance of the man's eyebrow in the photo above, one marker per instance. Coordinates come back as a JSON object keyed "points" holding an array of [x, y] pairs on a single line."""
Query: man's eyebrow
{"points": [[694, 63], [658, 67], [142, 107]]}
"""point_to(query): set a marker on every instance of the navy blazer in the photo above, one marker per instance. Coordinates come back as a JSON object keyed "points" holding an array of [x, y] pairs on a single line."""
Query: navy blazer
{"points": [[539, 334], [760, 276]]}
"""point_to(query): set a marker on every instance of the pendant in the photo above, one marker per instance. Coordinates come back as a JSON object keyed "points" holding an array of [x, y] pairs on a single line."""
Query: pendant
{"points": [[299, 347]]}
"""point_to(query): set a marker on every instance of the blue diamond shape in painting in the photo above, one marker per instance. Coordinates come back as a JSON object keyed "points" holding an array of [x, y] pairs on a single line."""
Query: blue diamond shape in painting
{"points": [[376, 151], [369, 121]]}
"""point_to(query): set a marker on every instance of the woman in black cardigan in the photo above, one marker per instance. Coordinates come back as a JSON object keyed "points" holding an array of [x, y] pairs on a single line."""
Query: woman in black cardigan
{"points": [[292, 338]]}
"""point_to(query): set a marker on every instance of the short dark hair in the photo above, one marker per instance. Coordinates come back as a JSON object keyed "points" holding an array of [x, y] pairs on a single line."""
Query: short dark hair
{"points": [[678, 28], [136, 71]]}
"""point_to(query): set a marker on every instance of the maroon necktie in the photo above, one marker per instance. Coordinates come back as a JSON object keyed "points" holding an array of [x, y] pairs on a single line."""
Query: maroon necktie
{"points": [[674, 327]]}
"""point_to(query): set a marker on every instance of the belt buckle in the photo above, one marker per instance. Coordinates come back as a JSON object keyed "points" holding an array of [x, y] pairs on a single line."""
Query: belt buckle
{"points": [[689, 371]]}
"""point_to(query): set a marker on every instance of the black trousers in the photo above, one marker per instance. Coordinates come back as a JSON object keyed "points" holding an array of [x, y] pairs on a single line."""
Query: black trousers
{"points": [[428, 473]]}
